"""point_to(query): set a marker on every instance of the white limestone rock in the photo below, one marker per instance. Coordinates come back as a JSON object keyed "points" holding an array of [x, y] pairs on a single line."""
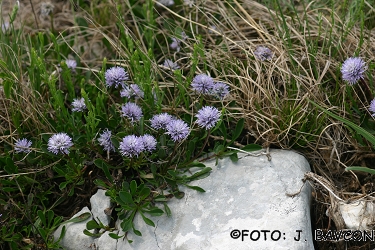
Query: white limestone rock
{"points": [[99, 202], [247, 195], [358, 215], [74, 238], [105, 242]]}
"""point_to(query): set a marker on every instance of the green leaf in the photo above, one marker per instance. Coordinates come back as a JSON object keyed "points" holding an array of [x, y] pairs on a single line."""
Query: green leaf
{"points": [[362, 169], [234, 157], [136, 232], [101, 183], [105, 167], [126, 197], [133, 187], [115, 142], [238, 130], [196, 164], [223, 130], [7, 86], [162, 153], [251, 147], [88, 233], [172, 173], [160, 198], [126, 224], [199, 189], [50, 215], [115, 236], [167, 209], [147, 220], [41, 217], [218, 148], [201, 174], [92, 224], [10, 168], [155, 211], [144, 193], [63, 185], [42, 232], [79, 218]]}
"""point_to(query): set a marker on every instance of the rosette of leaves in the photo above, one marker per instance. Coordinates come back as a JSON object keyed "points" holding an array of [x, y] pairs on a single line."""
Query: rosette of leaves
{"points": [[133, 199]]}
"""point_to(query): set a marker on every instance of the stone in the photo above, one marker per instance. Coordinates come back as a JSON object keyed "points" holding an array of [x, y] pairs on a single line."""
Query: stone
{"points": [[105, 242], [74, 238], [99, 202], [358, 215], [245, 206]]}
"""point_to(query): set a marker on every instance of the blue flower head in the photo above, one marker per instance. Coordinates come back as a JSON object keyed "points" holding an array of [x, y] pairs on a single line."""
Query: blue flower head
{"points": [[59, 143], [78, 105], [178, 130], [220, 90], [22, 145], [203, 84], [263, 53], [132, 90], [131, 111], [116, 76], [353, 70], [160, 121], [105, 140], [208, 117], [131, 146], [149, 142]]}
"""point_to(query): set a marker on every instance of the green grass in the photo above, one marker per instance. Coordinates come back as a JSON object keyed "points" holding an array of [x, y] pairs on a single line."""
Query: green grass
{"points": [[270, 102]]}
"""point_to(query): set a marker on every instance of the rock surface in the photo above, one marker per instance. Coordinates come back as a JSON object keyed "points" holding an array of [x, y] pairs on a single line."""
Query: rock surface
{"points": [[74, 238], [245, 206], [99, 202]]}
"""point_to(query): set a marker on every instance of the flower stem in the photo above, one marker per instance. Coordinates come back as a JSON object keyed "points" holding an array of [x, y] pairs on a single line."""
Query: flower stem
{"points": [[366, 90]]}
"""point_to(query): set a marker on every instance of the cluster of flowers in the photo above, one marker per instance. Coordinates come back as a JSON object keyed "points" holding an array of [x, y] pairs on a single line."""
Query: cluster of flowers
{"points": [[204, 84], [133, 145]]}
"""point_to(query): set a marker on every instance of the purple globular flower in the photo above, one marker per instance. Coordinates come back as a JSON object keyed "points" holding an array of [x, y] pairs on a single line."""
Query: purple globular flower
{"points": [[131, 146], [353, 70], [170, 64], [208, 117], [160, 121], [203, 84], [263, 53], [71, 63], [22, 145], [132, 90], [105, 140], [78, 105], [59, 143], [178, 130], [132, 111], [149, 142], [175, 44], [176, 41], [116, 76], [220, 90]]}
